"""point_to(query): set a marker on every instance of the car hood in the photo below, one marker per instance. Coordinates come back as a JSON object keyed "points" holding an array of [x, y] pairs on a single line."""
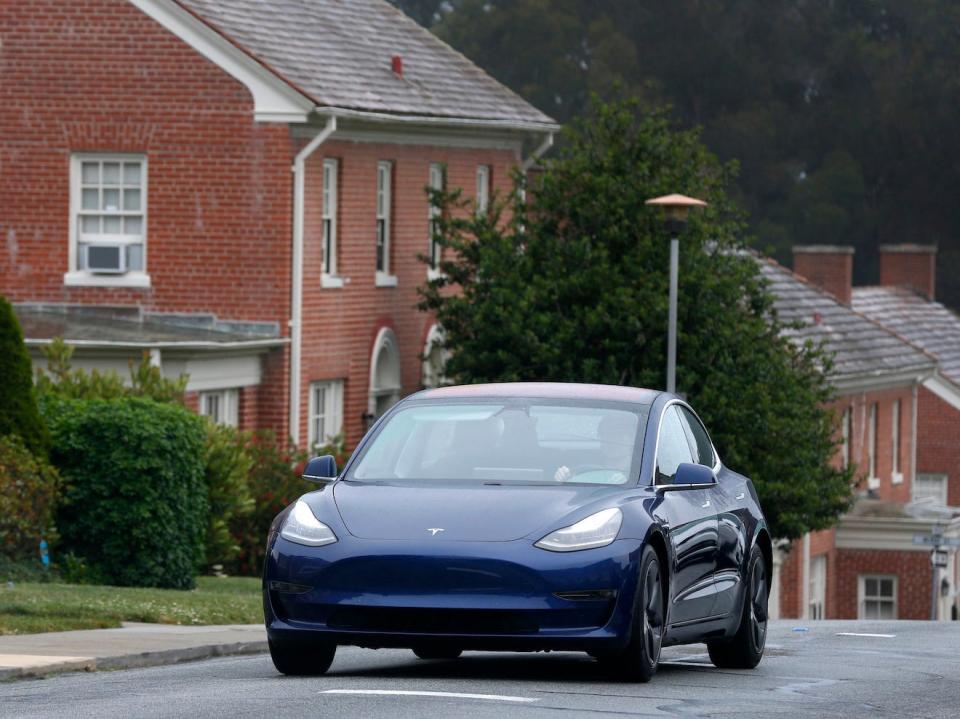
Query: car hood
{"points": [[469, 514]]}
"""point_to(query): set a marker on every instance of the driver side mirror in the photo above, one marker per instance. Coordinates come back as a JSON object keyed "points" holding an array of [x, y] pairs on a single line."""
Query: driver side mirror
{"points": [[322, 470], [693, 476]]}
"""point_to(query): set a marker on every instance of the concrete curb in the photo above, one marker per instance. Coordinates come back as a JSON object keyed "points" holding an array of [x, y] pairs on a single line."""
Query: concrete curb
{"points": [[136, 661]]}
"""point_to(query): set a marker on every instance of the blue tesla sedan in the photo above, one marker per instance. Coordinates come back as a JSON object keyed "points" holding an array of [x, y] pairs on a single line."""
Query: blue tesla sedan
{"points": [[527, 517]]}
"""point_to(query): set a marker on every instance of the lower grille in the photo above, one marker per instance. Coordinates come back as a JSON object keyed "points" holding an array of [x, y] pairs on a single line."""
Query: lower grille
{"points": [[432, 621]]}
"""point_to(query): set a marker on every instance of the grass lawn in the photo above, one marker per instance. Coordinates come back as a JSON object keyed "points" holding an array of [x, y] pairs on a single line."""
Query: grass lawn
{"points": [[28, 608]]}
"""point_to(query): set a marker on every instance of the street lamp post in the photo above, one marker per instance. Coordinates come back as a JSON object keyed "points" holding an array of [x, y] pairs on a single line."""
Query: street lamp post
{"points": [[676, 209]]}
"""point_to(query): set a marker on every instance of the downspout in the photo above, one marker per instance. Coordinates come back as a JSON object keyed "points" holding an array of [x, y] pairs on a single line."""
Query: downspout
{"points": [[296, 298], [913, 431]]}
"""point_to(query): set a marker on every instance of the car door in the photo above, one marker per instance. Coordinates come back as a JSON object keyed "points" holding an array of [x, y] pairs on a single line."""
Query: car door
{"points": [[690, 522], [729, 501]]}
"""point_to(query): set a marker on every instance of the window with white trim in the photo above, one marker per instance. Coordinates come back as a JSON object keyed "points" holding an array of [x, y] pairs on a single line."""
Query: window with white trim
{"points": [[384, 181], [329, 215], [221, 406], [896, 476], [385, 383], [818, 586], [878, 596], [845, 428], [435, 182], [933, 486], [483, 189], [326, 412], [108, 223], [872, 481]]}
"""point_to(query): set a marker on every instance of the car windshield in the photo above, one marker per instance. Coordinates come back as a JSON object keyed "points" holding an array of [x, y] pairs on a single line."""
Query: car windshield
{"points": [[529, 442]]}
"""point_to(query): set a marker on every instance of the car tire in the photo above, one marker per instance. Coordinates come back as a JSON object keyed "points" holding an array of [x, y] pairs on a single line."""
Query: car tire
{"points": [[437, 653], [745, 649], [638, 661], [302, 660]]}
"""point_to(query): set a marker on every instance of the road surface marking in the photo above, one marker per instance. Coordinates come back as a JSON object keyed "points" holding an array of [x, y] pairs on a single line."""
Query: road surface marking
{"points": [[864, 634], [410, 693]]}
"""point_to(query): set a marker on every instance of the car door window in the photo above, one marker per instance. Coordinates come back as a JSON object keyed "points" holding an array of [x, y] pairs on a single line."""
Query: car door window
{"points": [[672, 446], [699, 439]]}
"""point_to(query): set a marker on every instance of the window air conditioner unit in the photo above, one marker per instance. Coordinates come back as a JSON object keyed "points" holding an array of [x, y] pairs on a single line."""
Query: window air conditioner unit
{"points": [[106, 259]]}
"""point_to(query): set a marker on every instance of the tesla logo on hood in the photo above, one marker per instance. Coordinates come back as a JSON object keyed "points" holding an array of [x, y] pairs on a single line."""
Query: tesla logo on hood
{"points": [[434, 530]]}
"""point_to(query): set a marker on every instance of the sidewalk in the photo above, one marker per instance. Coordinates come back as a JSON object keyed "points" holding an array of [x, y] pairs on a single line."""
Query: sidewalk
{"points": [[132, 645]]}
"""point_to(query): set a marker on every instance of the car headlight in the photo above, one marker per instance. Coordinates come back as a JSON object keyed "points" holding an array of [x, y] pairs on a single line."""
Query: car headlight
{"points": [[302, 526], [597, 530]]}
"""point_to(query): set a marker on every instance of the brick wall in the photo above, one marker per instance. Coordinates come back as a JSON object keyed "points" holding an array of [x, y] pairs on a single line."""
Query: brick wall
{"points": [[912, 569], [938, 447], [829, 267], [100, 76], [909, 265], [340, 325]]}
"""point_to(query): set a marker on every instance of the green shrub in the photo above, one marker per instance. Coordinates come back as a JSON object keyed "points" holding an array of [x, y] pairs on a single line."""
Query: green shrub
{"points": [[18, 402], [135, 502], [228, 464], [28, 495]]}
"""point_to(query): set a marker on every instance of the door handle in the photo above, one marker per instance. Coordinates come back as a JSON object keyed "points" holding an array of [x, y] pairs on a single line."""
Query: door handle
{"points": [[741, 495], [705, 504]]}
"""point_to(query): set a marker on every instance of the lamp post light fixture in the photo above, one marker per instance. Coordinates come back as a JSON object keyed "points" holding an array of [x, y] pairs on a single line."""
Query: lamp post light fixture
{"points": [[676, 209]]}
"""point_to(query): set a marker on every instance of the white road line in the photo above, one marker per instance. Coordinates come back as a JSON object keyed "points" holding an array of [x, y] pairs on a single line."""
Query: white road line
{"points": [[864, 634], [448, 695]]}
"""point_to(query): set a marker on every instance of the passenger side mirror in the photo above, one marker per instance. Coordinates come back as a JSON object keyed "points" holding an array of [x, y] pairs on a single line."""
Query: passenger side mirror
{"points": [[322, 470], [693, 476]]}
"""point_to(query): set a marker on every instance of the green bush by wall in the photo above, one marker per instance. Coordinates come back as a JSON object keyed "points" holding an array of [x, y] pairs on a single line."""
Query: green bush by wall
{"points": [[18, 404], [28, 495], [135, 500]]}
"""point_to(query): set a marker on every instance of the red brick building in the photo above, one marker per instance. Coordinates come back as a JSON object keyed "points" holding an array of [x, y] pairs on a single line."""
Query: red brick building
{"points": [[238, 188], [897, 410]]}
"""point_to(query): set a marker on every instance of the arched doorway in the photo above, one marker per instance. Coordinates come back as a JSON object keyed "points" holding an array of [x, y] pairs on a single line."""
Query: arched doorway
{"points": [[434, 359], [384, 373]]}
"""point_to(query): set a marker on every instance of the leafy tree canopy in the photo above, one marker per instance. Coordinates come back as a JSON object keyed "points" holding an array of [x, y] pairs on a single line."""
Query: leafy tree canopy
{"points": [[842, 114], [573, 287]]}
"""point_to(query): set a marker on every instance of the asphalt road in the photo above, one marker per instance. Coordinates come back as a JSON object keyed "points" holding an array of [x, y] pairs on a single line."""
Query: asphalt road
{"points": [[817, 673]]}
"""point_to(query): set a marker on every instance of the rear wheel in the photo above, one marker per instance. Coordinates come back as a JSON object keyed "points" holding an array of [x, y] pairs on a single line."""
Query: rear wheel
{"points": [[302, 660], [745, 650], [437, 653], [638, 660]]}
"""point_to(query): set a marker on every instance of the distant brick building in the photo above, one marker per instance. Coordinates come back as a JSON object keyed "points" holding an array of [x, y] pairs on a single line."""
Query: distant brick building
{"points": [[238, 189], [898, 409]]}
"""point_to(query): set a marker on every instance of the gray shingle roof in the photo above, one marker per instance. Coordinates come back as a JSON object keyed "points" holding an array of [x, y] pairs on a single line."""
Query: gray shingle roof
{"points": [[338, 53], [862, 348], [926, 324]]}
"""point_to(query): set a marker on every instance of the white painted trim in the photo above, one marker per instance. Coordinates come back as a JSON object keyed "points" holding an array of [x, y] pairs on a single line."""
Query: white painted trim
{"points": [[385, 339], [886, 533], [531, 160], [433, 120], [435, 336], [382, 279], [913, 439], [82, 278], [296, 273], [274, 100], [179, 345], [332, 282], [434, 137], [805, 589], [944, 389], [861, 592]]}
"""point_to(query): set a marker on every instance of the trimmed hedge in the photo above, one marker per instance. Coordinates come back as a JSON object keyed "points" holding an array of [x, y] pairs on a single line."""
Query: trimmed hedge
{"points": [[135, 502]]}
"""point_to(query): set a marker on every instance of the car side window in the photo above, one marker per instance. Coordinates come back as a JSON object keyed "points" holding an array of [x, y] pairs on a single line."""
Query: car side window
{"points": [[698, 438], [672, 448]]}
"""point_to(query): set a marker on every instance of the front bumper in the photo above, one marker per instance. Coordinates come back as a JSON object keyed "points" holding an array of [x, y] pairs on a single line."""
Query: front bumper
{"points": [[472, 595]]}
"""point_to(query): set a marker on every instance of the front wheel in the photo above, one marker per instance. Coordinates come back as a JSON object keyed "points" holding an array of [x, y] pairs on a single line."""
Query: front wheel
{"points": [[639, 659], [745, 650], [302, 660]]}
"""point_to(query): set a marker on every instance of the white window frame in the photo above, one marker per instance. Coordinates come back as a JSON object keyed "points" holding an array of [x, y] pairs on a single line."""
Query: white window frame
{"points": [[873, 482], [896, 476], [928, 478], [483, 189], [75, 276], [385, 342], [329, 206], [845, 432], [331, 413], [227, 402], [862, 597], [818, 587], [384, 221], [435, 181]]}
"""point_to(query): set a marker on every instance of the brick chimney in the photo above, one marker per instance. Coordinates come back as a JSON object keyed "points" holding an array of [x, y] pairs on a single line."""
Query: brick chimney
{"points": [[911, 265], [829, 267]]}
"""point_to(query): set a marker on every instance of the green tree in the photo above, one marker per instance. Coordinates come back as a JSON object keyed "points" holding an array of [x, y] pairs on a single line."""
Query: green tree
{"points": [[575, 289], [18, 403]]}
